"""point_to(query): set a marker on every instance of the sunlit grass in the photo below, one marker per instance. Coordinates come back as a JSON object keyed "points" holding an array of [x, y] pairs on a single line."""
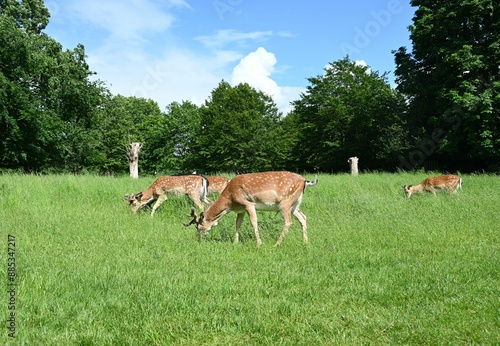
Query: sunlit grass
{"points": [[379, 269]]}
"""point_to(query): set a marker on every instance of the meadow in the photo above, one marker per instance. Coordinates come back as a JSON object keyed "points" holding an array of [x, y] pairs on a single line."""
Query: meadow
{"points": [[379, 269]]}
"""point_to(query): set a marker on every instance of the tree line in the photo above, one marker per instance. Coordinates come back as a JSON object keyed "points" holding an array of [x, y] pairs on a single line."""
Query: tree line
{"points": [[443, 114]]}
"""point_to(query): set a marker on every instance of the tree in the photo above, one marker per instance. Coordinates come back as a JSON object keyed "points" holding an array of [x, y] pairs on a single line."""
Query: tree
{"points": [[30, 133], [175, 150], [122, 121], [239, 131], [348, 111], [46, 100], [30, 15], [451, 81]]}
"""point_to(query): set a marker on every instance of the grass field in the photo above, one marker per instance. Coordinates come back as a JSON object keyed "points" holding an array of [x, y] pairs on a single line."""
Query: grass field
{"points": [[379, 269]]}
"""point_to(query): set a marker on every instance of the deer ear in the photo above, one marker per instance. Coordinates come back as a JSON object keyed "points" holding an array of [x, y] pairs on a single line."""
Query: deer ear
{"points": [[129, 198]]}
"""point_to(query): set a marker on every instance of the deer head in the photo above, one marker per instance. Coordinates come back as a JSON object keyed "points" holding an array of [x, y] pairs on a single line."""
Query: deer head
{"points": [[137, 201]]}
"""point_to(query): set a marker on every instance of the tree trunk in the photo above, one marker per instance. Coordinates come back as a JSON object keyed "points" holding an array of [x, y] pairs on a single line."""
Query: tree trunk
{"points": [[353, 163], [133, 159]]}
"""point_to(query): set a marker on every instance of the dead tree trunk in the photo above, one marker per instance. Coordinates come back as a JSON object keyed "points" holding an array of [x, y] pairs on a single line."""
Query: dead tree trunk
{"points": [[133, 159], [353, 163]]}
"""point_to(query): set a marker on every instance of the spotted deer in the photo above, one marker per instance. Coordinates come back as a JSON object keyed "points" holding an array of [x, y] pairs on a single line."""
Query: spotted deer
{"points": [[247, 193], [194, 186], [216, 184], [450, 183]]}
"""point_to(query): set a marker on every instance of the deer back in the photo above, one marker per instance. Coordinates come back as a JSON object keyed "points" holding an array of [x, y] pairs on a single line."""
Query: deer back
{"points": [[216, 184], [443, 182], [266, 188]]}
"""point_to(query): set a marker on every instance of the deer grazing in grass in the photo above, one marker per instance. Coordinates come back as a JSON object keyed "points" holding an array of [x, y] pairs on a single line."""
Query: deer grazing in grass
{"points": [[450, 183], [216, 184], [194, 186], [247, 193]]}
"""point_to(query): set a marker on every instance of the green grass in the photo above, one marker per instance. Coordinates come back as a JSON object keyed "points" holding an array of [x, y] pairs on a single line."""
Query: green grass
{"points": [[379, 269]]}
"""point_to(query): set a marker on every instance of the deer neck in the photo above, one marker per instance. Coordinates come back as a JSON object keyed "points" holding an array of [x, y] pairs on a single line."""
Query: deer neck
{"points": [[217, 210], [147, 195], [417, 188]]}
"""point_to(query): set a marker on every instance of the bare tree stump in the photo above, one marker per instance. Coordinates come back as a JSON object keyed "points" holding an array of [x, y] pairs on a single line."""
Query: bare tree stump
{"points": [[133, 159], [353, 164]]}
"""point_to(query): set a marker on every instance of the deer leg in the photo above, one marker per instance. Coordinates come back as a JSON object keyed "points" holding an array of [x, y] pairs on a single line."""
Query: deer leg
{"points": [[302, 219], [288, 222], [253, 220], [158, 202], [200, 206], [202, 199], [197, 202], [239, 220]]}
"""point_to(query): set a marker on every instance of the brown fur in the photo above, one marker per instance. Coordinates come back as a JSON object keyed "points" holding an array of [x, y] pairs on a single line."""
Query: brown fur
{"points": [[216, 184], [247, 193], [193, 186], [450, 183]]}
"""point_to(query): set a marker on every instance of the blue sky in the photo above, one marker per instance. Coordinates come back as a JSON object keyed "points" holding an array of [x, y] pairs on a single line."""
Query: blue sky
{"points": [[175, 50]]}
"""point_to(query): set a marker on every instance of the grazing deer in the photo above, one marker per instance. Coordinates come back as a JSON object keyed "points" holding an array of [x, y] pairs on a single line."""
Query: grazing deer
{"points": [[194, 186], [271, 191], [450, 183], [216, 184]]}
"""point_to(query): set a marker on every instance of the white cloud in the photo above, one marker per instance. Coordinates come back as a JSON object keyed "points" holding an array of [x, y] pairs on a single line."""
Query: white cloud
{"points": [[119, 36], [130, 66], [225, 37], [363, 64], [124, 19], [256, 69], [360, 63], [177, 75], [288, 94]]}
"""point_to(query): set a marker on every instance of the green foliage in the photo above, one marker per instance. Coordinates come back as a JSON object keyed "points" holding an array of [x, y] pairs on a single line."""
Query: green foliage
{"points": [[379, 269], [30, 15], [175, 149], [451, 81], [239, 131], [54, 117], [119, 122], [47, 100], [349, 111]]}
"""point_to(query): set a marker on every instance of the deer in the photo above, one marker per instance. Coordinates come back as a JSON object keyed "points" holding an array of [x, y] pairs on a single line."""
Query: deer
{"points": [[247, 193], [451, 183], [216, 184], [194, 186]]}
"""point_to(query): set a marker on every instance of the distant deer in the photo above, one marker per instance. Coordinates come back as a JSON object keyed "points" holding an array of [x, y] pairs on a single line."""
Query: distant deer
{"points": [[247, 193], [194, 186], [450, 183], [216, 184]]}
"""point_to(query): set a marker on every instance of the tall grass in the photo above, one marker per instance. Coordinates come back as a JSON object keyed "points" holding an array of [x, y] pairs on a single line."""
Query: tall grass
{"points": [[379, 269]]}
